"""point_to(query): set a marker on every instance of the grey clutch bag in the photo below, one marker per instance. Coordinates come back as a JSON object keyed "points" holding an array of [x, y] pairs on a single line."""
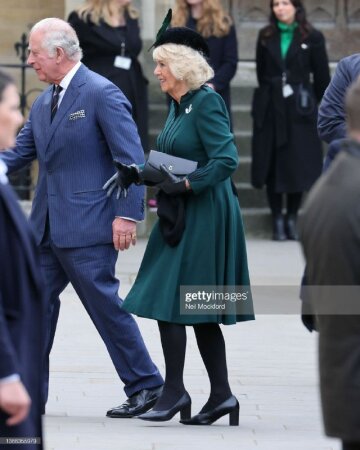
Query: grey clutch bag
{"points": [[152, 173]]}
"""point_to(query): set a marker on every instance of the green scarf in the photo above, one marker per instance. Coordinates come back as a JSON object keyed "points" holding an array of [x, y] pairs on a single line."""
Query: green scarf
{"points": [[286, 36]]}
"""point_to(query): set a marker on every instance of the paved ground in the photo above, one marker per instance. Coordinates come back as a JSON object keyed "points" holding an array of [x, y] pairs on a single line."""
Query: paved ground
{"points": [[272, 367]]}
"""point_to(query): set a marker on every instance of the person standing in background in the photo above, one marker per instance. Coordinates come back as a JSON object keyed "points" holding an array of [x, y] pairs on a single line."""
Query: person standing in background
{"points": [[22, 307], [109, 35], [286, 149], [209, 19], [330, 237]]}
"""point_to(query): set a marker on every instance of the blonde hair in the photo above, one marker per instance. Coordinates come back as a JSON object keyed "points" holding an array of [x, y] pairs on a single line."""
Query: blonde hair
{"points": [[95, 10], [215, 21], [185, 64]]}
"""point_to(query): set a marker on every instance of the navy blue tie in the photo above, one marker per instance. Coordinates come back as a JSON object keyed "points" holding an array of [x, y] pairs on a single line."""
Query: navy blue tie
{"points": [[55, 100]]}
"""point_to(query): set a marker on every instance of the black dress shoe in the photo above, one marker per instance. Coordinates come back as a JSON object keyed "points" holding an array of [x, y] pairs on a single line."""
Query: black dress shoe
{"points": [[229, 406], [279, 228], [183, 405], [137, 404]]}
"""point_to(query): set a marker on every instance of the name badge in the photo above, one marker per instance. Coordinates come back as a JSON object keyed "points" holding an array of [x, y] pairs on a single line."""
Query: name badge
{"points": [[122, 62], [287, 90]]}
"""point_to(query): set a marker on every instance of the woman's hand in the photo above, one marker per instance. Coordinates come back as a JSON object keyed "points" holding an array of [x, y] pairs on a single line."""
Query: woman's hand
{"points": [[172, 185]]}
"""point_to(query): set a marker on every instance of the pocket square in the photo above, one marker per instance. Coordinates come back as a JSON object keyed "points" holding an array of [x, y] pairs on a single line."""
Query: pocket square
{"points": [[77, 115]]}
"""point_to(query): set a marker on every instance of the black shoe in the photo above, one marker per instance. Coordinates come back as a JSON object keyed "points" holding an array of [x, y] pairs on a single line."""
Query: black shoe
{"points": [[279, 228], [183, 405], [290, 228], [137, 404], [229, 406]]}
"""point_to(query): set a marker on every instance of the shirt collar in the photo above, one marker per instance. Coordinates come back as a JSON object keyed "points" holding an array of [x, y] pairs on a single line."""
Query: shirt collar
{"points": [[69, 76], [3, 172]]}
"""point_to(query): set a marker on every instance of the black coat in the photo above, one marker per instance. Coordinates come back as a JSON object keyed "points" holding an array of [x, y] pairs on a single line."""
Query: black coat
{"points": [[100, 45], [21, 313], [286, 150], [223, 59], [330, 235]]}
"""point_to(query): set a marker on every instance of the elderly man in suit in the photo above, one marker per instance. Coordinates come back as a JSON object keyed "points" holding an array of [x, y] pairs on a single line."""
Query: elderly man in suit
{"points": [[76, 128]]}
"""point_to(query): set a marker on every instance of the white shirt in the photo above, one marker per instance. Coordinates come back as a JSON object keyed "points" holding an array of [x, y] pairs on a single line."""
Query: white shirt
{"points": [[64, 83], [3, 172]]}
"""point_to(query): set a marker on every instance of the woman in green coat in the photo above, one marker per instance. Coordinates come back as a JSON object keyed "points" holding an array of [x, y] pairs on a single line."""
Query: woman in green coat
{"points": [[209, 249]]}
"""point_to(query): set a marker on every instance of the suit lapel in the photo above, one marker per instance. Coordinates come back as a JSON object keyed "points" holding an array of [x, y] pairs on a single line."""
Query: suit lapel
{"points": [[70, 96], [274, 48], [295, 46]]}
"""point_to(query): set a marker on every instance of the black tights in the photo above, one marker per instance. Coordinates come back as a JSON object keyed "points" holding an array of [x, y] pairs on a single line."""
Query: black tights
{"points": [[293, 202], [351, 446], [212, 349]]}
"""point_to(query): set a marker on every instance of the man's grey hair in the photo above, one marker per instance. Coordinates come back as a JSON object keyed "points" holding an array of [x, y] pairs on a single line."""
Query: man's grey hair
{"points": [[58, 33]]}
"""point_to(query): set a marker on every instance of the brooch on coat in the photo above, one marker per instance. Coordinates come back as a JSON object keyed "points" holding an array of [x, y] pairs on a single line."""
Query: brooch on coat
{"points": [[188, 110], [77, 115]]}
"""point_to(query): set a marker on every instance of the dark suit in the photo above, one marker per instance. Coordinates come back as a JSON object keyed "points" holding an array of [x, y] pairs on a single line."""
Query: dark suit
{"points": [[286, 150], [330, 235], [101, 44], [21, 313], [331, 118], [72, 215]]}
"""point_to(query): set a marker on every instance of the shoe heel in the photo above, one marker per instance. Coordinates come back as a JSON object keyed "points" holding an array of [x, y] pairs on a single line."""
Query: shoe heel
{"points": [[185, 413], [234, 416]]}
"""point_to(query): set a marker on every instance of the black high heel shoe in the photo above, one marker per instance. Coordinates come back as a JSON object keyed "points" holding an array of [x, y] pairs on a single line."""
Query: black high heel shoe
{"points": [[230, 406], [183, 406]]}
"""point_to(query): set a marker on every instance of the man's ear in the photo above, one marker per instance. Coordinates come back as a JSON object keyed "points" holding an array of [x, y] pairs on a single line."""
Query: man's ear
{"points": [[60, 54]]}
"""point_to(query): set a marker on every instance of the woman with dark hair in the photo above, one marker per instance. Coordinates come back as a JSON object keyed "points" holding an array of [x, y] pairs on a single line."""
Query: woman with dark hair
{"points": [[293, 73], [209, 19], [109, 35], [21, 305]]}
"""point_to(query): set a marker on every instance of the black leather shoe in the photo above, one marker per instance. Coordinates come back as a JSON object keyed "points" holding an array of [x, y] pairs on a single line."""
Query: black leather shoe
{"points": [[137, 404], [229, 406], [183, 405], [279, 228]]}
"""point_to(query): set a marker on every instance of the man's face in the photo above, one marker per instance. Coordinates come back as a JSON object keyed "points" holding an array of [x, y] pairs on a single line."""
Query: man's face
{"points": [[45, 66]]}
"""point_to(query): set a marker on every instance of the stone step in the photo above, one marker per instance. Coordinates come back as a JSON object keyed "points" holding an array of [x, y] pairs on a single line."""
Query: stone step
{"points": [[241, 116], [242, 174], [242, 140], [250, 197]]}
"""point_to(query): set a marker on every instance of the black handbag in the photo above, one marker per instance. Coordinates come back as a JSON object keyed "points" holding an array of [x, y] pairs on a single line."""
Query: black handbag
{"points": [[152, 173]]}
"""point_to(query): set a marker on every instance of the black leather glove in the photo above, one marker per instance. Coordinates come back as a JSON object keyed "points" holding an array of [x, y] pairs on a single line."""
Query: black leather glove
{"points": [[123, 178], [172, 185]]}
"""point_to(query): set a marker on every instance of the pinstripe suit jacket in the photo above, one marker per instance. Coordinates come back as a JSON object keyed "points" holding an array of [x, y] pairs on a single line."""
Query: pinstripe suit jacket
{"points": [[92, 127]]}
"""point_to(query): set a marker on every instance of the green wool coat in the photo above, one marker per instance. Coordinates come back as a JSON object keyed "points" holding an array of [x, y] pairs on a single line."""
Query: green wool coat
{"points": [[212, 250]]}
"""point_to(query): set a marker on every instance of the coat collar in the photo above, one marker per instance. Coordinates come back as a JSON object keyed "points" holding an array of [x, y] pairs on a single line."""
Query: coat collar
{"points": [[274, 47], [105, 31]]}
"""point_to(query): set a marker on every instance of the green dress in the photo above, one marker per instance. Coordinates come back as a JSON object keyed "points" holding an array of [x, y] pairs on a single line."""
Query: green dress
{"points": [[212, 249]]}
